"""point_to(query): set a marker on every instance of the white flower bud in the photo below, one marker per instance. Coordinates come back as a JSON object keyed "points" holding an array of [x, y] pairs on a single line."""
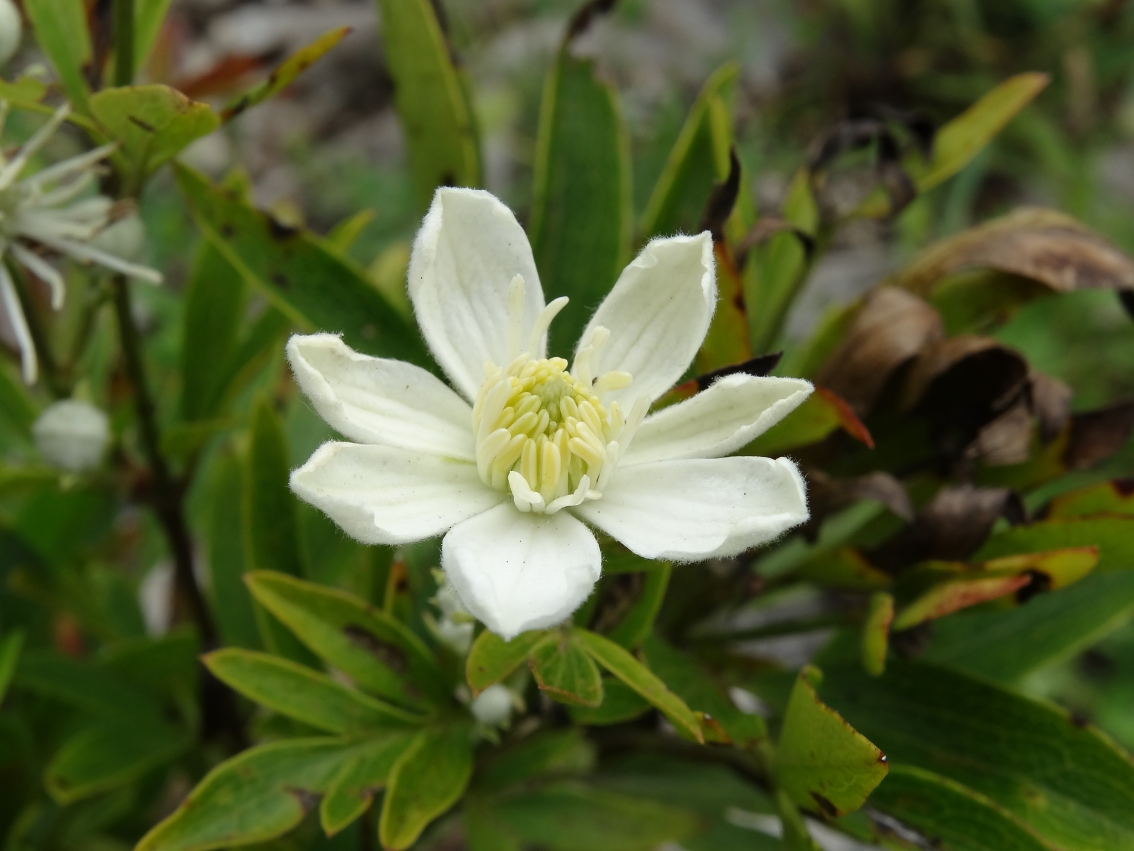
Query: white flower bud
{"points": [[125, 238], [493, 706], [9, 30], [71, 435]]}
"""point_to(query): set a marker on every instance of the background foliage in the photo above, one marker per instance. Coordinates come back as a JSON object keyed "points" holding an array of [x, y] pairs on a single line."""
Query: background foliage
{"points": [[923, 206]]}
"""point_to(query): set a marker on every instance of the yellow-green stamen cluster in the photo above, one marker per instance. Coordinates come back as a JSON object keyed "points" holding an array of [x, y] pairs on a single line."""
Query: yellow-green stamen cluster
{"points": [[542, 432]]}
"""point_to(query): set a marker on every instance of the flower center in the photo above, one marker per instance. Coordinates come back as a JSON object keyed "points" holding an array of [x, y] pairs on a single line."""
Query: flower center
{"points": [[543, 432]]}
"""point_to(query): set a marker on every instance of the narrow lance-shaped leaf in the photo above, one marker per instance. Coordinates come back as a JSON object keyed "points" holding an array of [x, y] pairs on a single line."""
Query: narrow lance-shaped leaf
{"points": [[376, 650], [632, 672], [435, 114], [963, 138], [303, 694], [313, 285], [955, 816], [1066, 781], [61, 31], [581, 214], [821, 761], [10, 647], [699, 158], [257, 795], [285, 74], [425, 781]]}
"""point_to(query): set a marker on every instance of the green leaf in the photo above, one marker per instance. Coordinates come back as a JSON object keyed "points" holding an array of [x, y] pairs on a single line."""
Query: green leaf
{"points": [[619, 703], [689, 680], [876, 632], [569, 816], [16, 406], [376, 650], [61, 31], [1114, 537], [435, 114], [777, 269], [303, 694], [632, 672], [257, 795], [10, 648], [344, 234], [314, 286], [232, 604], [272, 528], [491, 658], [954, 816], [961, 139], [548, 752], [107, 755], [795, 834], [1007, 645], [581, 214], [699, 159], [153, 123], [285, 74], [1113, 497], [565, 672], [148, 18], [359, 779], [824, 764], [213, 312], [95, 690], [1063, 779], [426, 780], [636, 626]]}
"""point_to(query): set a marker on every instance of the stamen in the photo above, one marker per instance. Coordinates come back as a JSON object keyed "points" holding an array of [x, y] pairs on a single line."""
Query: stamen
{"points": [[543, 322], [38, 139], [542, 431]]}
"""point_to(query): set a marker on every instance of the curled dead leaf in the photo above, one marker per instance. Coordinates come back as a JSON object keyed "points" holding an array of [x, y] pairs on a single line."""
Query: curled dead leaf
{"points": [[891, 328]]}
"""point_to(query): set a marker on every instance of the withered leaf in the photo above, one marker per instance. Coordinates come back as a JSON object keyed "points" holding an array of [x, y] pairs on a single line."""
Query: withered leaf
{"points": [[1097, 435], [1037, 243], [892, 327]]}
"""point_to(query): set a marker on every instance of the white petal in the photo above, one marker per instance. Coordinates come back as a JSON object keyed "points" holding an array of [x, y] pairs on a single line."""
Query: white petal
{"points": [[11, 302], [516, 571], [717, 421], [700, 508], [465, 256], [375, 400], [657, 314], [387, 495]]}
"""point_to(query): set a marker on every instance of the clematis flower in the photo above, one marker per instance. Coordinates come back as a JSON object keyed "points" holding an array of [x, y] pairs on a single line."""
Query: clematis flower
{"points": [[514, 461], [40, 212]]}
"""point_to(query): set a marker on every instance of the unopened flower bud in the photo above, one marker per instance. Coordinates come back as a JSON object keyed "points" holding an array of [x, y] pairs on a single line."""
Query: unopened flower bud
{"points": [[9, 30], [71, 435], [493, 706]]}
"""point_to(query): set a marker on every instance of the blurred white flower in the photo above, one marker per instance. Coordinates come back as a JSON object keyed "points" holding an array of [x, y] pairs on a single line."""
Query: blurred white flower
{"points": [[456, 625], [71, 435], [40, 213], [493, 706], [510, 471], [10, 28]]}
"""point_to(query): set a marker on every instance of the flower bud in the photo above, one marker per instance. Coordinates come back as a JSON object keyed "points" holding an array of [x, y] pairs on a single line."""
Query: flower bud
{"points": [[493, 706], [9, 30], [71, 435]]}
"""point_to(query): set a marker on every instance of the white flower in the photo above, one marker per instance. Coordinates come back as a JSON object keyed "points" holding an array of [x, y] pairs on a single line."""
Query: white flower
{"points": [[71, 435], [41, 212], [510, 465]]}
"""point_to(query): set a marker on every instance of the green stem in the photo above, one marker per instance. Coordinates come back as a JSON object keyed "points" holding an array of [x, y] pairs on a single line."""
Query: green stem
{"points": [[167, 493], [123, 42]]}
